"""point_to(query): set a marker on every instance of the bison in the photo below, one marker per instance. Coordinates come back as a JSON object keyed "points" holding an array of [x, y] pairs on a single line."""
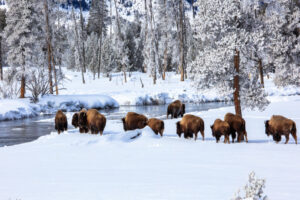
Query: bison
{"points": [[190, 125], [156, 125], [93, 120], [176, 109], [61, 122], [75, 120], [278, 126], [237, 124], [134, 121], [220, 128]]}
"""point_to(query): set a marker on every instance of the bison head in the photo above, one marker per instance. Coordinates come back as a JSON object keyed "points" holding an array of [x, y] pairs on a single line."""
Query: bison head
{"points": [[124, 124], [268, 132], [178, 129], [75, 120], [82, 119]]}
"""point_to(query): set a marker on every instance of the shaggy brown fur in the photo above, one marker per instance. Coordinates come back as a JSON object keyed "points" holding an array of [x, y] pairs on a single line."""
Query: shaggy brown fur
{"points": [[95, 122], [220, 128], [75, 120], [82, 121], [134, 121], [190, 125], [156, 125], [237, 124], [278, 126], [61, 122], [176, 109]]}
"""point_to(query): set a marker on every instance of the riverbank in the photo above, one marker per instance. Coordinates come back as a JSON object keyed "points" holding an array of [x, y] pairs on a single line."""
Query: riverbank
{"points": [[83, 166], [106, 92]]}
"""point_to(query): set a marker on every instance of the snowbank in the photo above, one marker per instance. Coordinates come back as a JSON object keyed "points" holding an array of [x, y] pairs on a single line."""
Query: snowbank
{"points": [[22, 108], [113, 166]]}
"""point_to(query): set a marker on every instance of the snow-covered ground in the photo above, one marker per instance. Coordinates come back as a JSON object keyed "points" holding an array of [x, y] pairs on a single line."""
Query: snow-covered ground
{"points": [[83, 166], [101, 93]]}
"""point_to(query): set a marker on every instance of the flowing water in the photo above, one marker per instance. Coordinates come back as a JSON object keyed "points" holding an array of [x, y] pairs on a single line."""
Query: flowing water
{"points": [[26, 130]]}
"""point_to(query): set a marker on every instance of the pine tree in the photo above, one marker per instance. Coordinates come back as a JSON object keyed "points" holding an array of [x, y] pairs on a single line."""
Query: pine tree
{"points": [[283, 19], [223, 63], [20, 37]]}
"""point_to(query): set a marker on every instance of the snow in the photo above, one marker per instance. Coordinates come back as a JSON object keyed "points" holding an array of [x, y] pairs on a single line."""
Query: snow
{"points": [[113, 166], [21, 108]]}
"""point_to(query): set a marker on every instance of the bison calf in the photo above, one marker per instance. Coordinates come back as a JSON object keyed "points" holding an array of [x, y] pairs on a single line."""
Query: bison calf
{"points": [[156, 125], [237, 124], [220, 128], [175, 109], [61, 122], [134, 121], [278, 126], [190, 125]]}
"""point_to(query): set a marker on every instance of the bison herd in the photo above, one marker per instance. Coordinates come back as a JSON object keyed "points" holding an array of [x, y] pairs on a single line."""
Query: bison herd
{"points": [[232, 125]]}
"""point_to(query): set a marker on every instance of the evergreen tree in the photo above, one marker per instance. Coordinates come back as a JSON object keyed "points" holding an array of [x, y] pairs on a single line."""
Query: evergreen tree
{"points": [[223, 62], [21, 37]]}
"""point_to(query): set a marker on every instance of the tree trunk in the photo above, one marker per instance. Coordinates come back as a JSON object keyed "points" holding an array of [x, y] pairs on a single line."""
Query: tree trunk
{"points": [[181, 41], [82, 39], [124, 73], [48, 46], [165, 64], [261, 73], [236, 94], [1, 67], [54, 70], [193, 9], [22, 93], [78, 46], [100, 57], [146, 31]]}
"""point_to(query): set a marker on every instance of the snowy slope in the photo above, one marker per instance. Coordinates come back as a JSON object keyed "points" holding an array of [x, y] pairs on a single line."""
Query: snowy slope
{"points": [[82, 166]]}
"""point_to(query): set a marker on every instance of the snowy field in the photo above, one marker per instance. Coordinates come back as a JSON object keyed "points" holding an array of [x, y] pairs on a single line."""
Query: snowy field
{"points": [[82, 166], [102, 93]]}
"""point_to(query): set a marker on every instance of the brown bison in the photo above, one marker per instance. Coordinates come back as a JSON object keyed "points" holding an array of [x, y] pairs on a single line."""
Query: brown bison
{"points": [[237, 124], [156, 125], [75, 120], [134, 121], [190, 125], [93, 120], [176, 109], [278, 126], [61, 122], [220, 128]]}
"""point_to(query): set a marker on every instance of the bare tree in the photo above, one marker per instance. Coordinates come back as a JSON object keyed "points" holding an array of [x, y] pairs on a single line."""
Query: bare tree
{"points": [[78, 45]]}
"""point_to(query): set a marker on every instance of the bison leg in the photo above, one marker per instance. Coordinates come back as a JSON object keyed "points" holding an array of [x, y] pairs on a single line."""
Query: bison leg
{"points": [[202, 133], [295, 137], [233, 135], [196, 136], [287, 138], [246, 137], [228, 140]]}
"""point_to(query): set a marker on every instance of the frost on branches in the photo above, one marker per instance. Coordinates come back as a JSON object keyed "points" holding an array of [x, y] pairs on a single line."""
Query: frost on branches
{"points": [[222, 30], [253, 190], [283, 19]]}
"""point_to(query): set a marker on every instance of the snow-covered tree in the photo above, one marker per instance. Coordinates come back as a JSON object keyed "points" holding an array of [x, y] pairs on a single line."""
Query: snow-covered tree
{"points": [[222, 62], [2, 26], [283, 19], [21, 37]]}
